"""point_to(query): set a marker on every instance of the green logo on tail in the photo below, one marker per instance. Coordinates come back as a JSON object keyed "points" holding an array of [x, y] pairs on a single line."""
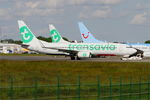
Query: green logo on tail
{"points": [[26, 35], [55, 36]]}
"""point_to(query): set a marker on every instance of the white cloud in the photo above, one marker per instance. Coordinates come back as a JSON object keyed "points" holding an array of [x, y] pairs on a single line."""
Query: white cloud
{"points": [[60, 3], [77, 2], [40, 12], [52, 3], [52, 7], [101, 13], [141, 6], [139, 19], [39, 8], [32, 4], [107, 1], [88, 12]]}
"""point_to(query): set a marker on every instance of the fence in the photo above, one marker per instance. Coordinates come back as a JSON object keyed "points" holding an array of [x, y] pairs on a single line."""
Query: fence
{"points": [[78, 91]]}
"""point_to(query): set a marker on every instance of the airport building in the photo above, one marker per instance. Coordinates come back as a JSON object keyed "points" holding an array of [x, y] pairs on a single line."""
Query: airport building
{"points": [[10, 48]]}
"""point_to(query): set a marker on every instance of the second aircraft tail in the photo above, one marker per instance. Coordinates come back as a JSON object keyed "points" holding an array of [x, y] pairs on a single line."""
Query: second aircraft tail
{"points": [[56, 37], [87, 37]]}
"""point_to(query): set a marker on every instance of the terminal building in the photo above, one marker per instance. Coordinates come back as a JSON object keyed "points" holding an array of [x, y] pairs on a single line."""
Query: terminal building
{"points": [[10, 48]]}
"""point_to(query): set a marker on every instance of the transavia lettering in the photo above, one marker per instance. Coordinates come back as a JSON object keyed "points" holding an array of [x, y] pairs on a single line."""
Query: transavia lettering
{"points": [[91, 47]]}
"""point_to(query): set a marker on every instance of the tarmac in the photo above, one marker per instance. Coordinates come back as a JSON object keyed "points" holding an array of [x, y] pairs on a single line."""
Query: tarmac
{"points": [[63, 58]]}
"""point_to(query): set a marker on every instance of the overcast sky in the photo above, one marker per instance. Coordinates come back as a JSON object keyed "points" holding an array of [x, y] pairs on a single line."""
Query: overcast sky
{"points": [[110, 20]]}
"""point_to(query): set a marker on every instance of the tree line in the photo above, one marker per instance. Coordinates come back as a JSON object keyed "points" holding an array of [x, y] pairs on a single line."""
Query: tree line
{"points": [[49, 39]]}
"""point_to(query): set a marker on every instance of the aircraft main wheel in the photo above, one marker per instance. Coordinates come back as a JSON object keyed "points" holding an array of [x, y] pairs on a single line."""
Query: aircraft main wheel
{"points": [[72, 57], [78, 58]]}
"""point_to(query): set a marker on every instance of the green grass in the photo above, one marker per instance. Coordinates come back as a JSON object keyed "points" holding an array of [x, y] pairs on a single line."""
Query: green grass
{"points": [[69, 70], [24, 73]]}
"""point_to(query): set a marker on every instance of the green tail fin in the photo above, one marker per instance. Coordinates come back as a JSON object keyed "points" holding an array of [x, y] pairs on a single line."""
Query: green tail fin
{"points": [[27, 36]]}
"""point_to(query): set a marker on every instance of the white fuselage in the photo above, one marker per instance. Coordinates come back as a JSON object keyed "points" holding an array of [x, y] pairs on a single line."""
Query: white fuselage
{"points": [[93, 48], [38, 48]]}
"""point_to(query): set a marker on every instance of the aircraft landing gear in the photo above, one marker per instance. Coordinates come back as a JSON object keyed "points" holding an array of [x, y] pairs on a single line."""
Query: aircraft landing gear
{"points": [[78, 58], [72, 57], [75, 58]]}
